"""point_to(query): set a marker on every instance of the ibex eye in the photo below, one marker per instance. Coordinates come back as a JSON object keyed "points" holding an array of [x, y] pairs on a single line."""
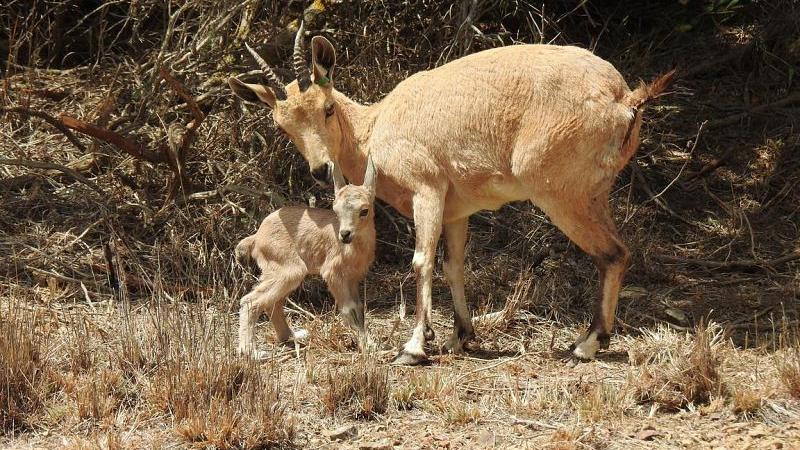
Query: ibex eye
{"points": [[364, 213], [328, 111]]}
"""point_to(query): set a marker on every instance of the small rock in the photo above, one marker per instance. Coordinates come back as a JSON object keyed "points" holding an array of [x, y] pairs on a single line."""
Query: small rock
{"points": [[342, 433], [379, 445], [486, 439], [647, 435], [678, 315]]}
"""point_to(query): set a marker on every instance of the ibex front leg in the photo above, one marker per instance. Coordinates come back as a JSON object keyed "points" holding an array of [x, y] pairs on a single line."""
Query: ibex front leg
{"points": [[428, 209], [351, 310]]}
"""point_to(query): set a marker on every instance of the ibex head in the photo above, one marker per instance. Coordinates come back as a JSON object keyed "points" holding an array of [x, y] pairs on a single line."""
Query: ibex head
{"points": [[353, 204], [304, 110]]}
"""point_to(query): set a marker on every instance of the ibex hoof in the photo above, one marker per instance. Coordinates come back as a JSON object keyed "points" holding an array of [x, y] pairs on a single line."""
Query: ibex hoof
{"points": [[409, 359], [453, 346], [300, 335], [429, 334], [586, 347]]}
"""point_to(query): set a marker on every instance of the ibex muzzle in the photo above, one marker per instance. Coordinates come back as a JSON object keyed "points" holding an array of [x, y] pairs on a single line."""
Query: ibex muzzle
{"points": [[323, 174]]}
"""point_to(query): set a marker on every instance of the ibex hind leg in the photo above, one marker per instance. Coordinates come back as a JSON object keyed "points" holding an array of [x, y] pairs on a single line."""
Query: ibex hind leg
{"points": [[587, 222], [455, 240], [268, 296]]}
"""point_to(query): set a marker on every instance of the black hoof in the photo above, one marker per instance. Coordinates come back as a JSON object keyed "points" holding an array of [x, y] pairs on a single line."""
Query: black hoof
{"points": [[409, 359], [604, 340], [429, 334]]}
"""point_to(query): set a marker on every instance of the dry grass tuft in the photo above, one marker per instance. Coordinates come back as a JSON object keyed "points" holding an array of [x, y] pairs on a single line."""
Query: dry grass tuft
{"points": [[418, 387], [746, 402], [360, 389], [24, 373], [217, 399], [789, 370], [599, 401], [678, 370]]}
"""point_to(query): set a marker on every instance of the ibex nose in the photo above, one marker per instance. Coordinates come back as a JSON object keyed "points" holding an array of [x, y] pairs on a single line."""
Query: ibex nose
{"points": [[346, 236], [322, 174]]}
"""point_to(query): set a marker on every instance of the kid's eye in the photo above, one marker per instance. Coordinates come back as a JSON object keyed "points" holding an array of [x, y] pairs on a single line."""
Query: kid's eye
{"points": [[328, 111], [364, 213]]}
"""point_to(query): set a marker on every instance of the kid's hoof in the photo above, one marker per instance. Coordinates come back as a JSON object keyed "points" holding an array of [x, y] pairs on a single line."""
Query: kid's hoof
{"points": [[409, 359], [300, 335], [571, 362]]}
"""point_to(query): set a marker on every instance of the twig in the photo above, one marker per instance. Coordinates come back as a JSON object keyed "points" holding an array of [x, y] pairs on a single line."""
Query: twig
{"points": [[49, 119], [638, 174], [533, 423], [734, 119], [300, 309], [691, 152], [179, 89], [46, 165], [742, 264]]}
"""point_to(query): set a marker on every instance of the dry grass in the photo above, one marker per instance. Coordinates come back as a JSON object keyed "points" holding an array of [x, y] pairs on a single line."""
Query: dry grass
{"points": [[788, 365], [678, 370], [24, 374], [360, 389]]}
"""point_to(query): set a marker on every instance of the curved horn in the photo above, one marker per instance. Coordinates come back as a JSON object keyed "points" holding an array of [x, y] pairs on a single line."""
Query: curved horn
{"points": [[300, 69], [272, 80]]}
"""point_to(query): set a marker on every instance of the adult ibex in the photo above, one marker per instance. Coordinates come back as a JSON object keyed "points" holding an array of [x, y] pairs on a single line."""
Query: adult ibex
{"points": [[552, 124]]}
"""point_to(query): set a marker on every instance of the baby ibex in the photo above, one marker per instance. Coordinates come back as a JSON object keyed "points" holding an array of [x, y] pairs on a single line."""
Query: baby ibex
{"points": [[294, 242]]}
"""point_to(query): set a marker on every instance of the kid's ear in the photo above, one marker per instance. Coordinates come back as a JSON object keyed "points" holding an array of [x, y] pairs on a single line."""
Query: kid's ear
{"points": [[371, 175], [338, 178], [252, 93]]}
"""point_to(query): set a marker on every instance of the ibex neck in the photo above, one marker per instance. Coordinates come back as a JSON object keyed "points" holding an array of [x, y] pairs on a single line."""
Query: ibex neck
{"points": [[355, 121]]}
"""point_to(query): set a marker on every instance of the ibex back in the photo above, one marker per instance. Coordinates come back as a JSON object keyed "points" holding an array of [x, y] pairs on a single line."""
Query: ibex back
{"points": [[551, 124], [293, 242]]}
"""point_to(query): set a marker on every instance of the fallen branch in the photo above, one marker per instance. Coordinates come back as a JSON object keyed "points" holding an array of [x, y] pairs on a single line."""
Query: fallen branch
{"points": [[49, 119], [82, 165], [126, 145], [734, 119], [180, 149], [742, 264], [46, 165]]}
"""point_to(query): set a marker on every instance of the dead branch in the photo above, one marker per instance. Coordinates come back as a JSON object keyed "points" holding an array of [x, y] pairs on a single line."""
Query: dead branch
{"points": [[82, 165], [742, 264], [134, 149], [46, 165], [181, 149], [734, 119], [49, 119], [179, 89]]}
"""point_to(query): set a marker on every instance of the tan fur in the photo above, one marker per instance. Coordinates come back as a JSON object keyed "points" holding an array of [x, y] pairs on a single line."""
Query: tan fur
{"points": [[551, 124], [294, 242]]}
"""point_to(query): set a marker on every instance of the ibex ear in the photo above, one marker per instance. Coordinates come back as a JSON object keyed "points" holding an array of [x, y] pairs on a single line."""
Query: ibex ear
{"points": [[370, 176], [338, 178], [253, 93], [323, 58]]}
